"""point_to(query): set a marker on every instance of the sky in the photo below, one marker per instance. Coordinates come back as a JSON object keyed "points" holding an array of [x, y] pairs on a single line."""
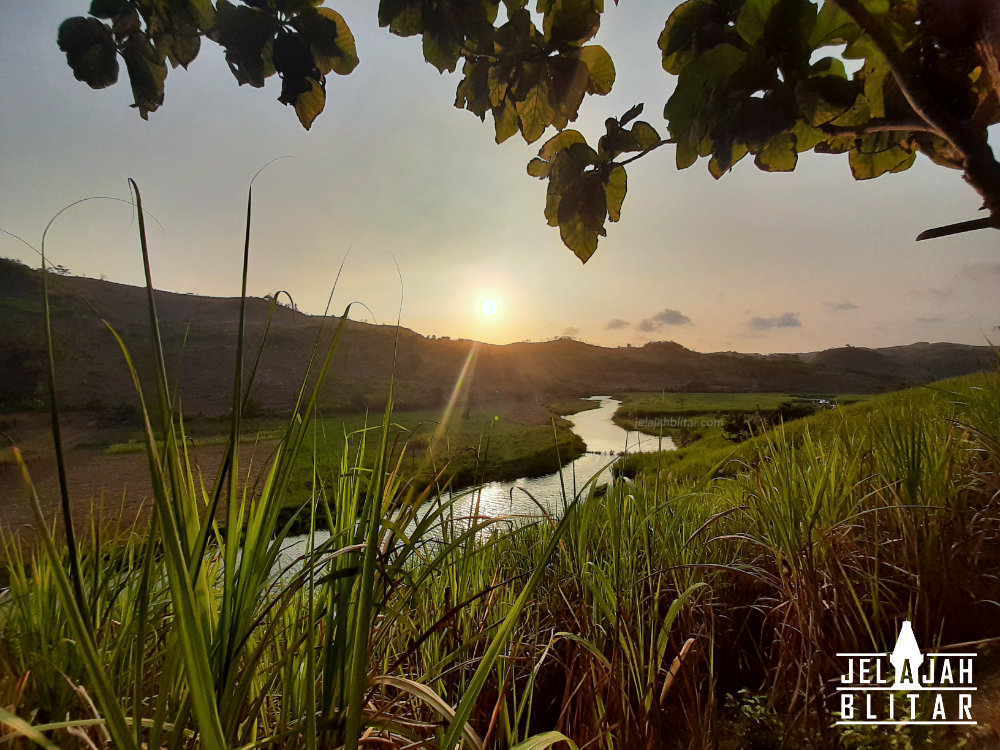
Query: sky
{"points": [[391, 174]]}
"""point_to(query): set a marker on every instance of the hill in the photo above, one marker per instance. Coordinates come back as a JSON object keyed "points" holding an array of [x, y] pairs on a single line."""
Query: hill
{"points": [[199, 338]]}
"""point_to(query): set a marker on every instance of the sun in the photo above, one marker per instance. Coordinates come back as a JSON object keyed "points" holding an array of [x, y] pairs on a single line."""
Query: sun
{"points": [[489, 307]]}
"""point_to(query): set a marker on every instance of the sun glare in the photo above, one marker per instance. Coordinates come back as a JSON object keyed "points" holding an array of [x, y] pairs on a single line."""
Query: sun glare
{"points": [[489, 307]]}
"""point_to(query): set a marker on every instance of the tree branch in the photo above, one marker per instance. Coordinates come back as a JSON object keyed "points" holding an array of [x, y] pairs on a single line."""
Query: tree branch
{"points": [[981, 168], [647, 151], [914, 125]]}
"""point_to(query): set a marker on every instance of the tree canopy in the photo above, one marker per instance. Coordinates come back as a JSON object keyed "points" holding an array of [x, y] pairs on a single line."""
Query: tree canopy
{"points": [[878, 80]]}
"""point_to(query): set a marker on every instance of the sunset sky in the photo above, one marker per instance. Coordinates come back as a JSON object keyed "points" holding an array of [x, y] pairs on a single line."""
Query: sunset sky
{"points": [[753, 262]]}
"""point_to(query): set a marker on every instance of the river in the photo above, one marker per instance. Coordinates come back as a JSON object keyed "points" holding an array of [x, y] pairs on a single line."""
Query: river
{"points": [[605, 441]]}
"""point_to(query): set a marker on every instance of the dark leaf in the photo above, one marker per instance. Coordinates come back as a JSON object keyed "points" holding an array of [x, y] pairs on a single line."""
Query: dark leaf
{"points": [[246, 34], [329, 40], [632, 113], [107, 8], [90, 51], [147, 71]]}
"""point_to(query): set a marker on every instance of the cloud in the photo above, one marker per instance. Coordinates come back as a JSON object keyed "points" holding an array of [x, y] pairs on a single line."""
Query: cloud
{"points": [[666, 317], [571, 331], [615, 323], [840, 306], [786, 320]]}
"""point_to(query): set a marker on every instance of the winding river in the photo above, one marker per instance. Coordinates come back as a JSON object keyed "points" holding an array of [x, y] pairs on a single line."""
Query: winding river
{"points": [[605, 441]]}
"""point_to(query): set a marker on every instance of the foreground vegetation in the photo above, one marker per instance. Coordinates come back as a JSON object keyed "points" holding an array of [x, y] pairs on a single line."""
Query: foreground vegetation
{"points": [[634, 617], [683, 607], [474, 445]]}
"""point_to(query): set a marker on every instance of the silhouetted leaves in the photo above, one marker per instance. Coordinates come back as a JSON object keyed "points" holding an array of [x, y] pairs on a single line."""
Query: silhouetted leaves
{"points": [[90, 51], [752, 78], [587, 187], [247, 35]]}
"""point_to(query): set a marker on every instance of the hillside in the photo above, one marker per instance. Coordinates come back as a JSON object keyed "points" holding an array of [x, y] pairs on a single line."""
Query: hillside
{"points": [[199, 339]]}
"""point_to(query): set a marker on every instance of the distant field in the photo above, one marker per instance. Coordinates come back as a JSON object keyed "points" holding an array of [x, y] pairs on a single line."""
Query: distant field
{"points": [[679, 404], [476, 445], [569, 406]]}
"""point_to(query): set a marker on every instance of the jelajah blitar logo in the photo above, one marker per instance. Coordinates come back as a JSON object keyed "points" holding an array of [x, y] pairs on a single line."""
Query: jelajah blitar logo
{"points": [[906, 686]]}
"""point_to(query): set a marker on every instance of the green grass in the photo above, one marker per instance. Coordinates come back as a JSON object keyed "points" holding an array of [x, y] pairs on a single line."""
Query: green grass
{"points": [[681, 404], [735, 570], [570, 406]]}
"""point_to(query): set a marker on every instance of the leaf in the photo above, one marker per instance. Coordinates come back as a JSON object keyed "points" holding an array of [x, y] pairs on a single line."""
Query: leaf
{"points": [[310, 104], [779, 155], [570, 22], [630, 115], [441, 51], [833, 26], [578, 238], [752, 19], [147, 72], [544, 741], [329, 39], [615, 190], [534, 112], [294, 63], [645, 134], [90, 51], [866, 165], [561, 141], [505, 121], [539, 168], [601, 68], [107, 9], [246, 34], [498, 81]]}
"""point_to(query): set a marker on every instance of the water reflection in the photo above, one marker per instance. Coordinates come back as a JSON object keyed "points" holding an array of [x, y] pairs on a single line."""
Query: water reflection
{"points": [[526, 497]]}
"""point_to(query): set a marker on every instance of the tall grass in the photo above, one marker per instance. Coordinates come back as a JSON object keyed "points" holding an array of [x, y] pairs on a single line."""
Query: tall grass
{"points": [[622, 623]]}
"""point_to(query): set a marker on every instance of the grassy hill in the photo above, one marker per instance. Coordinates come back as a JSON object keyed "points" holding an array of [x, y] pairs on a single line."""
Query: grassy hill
{"points": [[199, 336]]}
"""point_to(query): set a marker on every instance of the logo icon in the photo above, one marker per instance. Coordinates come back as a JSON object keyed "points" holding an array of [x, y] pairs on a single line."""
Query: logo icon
{"points": [[926, 688]]}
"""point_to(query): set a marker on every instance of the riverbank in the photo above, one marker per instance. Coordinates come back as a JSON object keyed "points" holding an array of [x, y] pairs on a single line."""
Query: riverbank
{"points": [[676, 612], [108, 471]]}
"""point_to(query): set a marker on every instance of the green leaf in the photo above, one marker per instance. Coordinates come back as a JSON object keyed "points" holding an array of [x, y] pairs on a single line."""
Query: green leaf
{"points": [[505, 121], [330, 40], [833, 26], [578, 237], [868, 164], [876, 7], [203, 13], [310, 103], [90, 51], [570, 22], [561, 141], [539, 168], [779, 155], [677, 40], [645, 134], [534, 112], [615, 190], [441, 51], [753, 18], [498, 81], [600, 67]]}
